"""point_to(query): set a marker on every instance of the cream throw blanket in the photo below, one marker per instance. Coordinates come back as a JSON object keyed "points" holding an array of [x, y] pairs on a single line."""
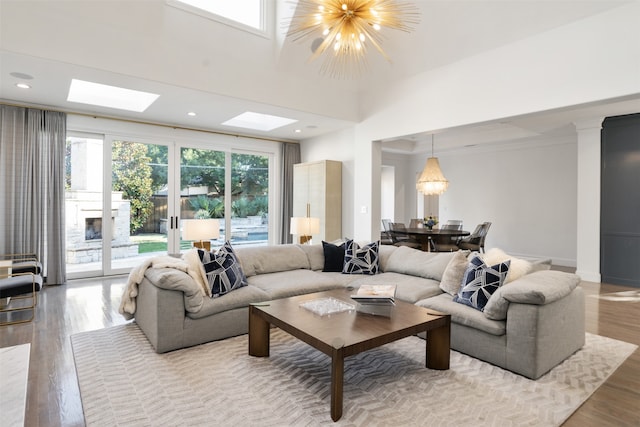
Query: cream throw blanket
{"points": [[189, 263]]}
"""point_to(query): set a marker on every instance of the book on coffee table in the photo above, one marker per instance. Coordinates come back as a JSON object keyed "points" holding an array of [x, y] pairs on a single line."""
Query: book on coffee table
{"points": [[375, 294]]}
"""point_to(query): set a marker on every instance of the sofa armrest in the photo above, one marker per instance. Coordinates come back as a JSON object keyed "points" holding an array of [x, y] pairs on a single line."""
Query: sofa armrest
{"points": [[160, 313], [541, 336], [539, 288]]}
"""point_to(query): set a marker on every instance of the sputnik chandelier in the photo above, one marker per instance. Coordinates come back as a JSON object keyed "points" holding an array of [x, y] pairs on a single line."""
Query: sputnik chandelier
{"points": [[347, 27]]}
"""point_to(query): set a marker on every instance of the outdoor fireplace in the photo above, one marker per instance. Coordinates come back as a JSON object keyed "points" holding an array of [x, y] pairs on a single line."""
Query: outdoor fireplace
{"points": [[84, 210], [93, 228]]}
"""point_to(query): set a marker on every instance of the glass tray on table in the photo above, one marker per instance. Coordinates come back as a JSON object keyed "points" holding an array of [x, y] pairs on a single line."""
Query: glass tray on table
{"points": [[327, 306]]}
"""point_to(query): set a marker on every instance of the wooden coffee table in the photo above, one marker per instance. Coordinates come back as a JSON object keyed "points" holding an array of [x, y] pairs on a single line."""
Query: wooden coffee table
{"points": [[347, 333]]}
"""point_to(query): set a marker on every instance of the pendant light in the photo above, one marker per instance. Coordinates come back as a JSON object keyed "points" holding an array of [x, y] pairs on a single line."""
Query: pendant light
{"points": [[432, 181]]}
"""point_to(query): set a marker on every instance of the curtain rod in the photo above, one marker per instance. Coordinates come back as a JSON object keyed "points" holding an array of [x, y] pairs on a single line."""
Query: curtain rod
{"points": [[142, 122]]}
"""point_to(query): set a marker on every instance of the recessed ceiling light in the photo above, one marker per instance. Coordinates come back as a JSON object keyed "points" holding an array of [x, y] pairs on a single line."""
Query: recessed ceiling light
{"points": [[258, 121], [23, 85], [191, 113], [110, 96], [298, 130]]}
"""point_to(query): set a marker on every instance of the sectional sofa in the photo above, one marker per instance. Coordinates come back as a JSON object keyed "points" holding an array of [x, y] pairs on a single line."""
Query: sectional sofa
{"points": [[528, 326]]}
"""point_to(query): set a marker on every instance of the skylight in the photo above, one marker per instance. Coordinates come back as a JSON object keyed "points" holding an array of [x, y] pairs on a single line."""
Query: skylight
{"points": [[109, 96], [246, 12], [258, 121]]}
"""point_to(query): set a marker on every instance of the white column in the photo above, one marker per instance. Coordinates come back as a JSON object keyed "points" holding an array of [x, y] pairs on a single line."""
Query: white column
{"points": [[366, 197], [588, 217]]}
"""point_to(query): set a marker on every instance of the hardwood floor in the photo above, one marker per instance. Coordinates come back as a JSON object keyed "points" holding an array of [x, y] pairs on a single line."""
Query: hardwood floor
{"points": [[82, 305]]}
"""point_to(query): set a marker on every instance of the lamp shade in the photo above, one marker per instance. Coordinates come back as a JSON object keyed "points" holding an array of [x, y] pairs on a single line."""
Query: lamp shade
{"points": [[305, 226], [431, 180], [200, 229]]}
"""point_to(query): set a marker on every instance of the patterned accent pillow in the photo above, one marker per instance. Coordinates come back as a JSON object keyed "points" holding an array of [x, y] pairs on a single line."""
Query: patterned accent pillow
{"points": [[223, 270], [480, 282], [333, 256], [363, 260]]}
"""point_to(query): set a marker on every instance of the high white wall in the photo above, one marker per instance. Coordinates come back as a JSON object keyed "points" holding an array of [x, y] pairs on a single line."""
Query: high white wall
{"points": [[527, 190], [337, 146], [590, 60], [532, 194], [404, 191], [387, 192]]}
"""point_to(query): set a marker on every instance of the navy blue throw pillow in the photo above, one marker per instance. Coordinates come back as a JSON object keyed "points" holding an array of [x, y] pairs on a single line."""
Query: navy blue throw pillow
{"points": [[333, 256]]}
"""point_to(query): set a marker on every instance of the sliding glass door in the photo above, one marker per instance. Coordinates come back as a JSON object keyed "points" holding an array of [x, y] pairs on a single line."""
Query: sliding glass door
{"points": [[230, 187], [249, 199], [84, 181], [139, 205], [133, 205]]}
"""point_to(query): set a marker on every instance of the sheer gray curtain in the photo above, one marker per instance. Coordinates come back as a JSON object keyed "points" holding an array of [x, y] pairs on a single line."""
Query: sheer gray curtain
{"points": [[290, 156], [32, 153]]}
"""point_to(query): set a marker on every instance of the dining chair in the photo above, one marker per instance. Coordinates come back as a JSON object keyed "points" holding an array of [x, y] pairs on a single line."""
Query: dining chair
{"points": [[452, 224], [447, 243], [475, 241], [385, 235], [399, 239], [416, 223]]}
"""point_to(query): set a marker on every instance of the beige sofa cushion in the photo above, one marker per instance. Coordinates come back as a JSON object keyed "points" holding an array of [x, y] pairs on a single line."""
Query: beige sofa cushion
{"points": [[408, 288], [315, 255], [285, 284], [430, 265], [453, 274], [539, 288], [464, 315], [239, 298], [270, 259], [384, 253]]}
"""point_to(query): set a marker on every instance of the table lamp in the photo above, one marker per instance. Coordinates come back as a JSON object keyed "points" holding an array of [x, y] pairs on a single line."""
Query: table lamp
{"points": [[201, 231], [305, 227]]}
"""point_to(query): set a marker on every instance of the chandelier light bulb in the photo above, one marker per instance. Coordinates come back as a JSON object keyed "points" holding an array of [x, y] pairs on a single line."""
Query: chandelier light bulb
{"points": [[346, 26]]}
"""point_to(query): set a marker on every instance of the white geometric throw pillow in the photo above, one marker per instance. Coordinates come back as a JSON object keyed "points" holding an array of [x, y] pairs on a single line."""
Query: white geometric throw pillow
{"points": [[223, 270], [480, 282], [360, 260]]}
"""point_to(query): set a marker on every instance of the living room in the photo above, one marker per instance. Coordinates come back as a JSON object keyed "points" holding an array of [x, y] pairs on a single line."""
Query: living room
{"points": [[531, 102]]}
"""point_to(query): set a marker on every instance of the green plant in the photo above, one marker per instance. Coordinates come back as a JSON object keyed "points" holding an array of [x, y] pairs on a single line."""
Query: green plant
{"points": [[214, 206], [202, 214], [241, 208], [261, 205], [131, 174], [430, 221]]}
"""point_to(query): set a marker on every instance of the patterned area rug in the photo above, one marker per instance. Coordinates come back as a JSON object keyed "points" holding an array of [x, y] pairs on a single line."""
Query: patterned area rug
{"points": [[124, 382], [14, 374]]}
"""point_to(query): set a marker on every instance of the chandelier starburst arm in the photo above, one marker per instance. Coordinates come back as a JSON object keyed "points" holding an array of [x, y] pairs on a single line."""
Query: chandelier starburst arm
{"points": [[348, 26]]}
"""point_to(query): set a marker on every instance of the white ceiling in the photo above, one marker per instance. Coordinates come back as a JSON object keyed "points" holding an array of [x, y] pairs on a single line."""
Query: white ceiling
{"points": [[196, 64]]}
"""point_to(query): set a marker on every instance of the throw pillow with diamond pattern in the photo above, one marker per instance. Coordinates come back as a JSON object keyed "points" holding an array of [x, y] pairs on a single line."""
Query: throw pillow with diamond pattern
{"points": [[223, 270], [480, 282], [359, 260]]}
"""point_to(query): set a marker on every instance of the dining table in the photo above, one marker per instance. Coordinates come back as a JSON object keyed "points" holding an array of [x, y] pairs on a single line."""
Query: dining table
{"points": [[424, 235]]}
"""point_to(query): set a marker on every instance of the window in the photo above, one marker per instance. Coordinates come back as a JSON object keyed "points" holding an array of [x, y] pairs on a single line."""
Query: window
{"points": [[126, 196], [247, 13]]}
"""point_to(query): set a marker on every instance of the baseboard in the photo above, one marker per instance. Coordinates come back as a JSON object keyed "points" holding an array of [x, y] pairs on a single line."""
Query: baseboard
{"points": [[589, 276]]}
